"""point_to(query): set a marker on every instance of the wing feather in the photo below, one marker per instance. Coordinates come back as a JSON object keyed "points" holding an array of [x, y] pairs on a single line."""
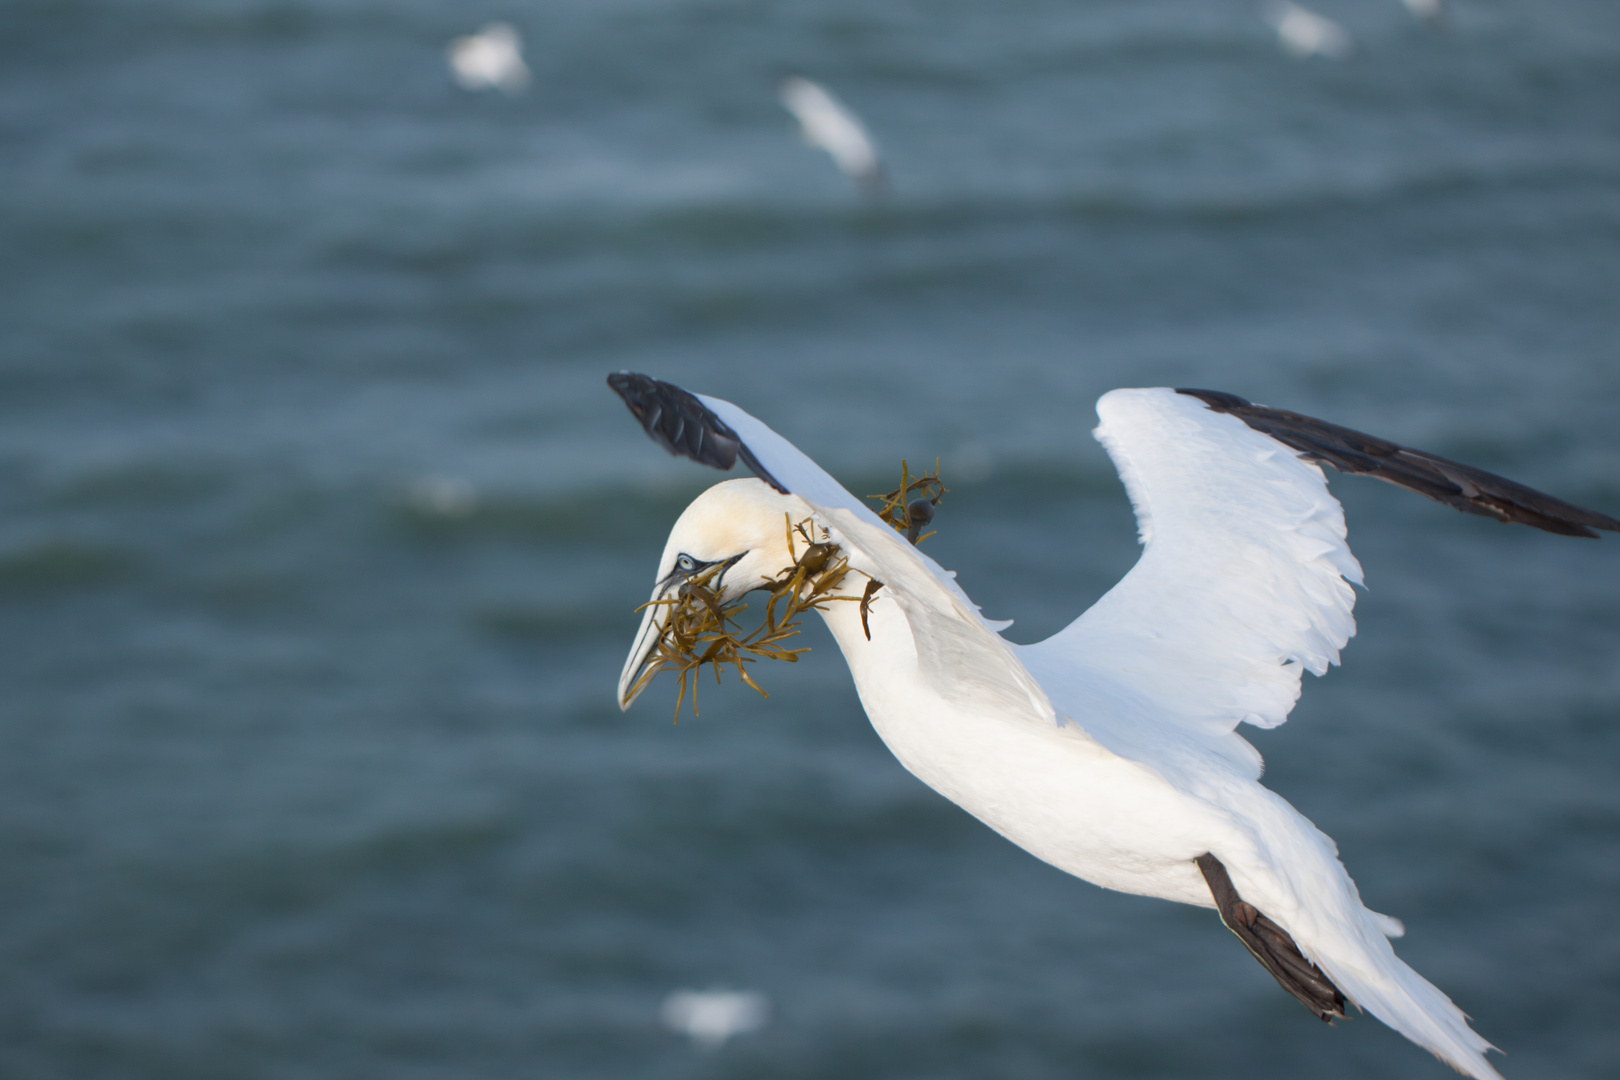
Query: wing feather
{"points": [[1244, 581], [1462, 487]]}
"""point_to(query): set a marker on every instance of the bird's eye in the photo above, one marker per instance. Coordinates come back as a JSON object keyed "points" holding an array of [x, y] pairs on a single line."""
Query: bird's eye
{"points": [[686, 563]]}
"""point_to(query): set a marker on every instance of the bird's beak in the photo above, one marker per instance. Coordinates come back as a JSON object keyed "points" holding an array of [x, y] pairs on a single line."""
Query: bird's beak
{"points": [[652, 628], [654, 619]]}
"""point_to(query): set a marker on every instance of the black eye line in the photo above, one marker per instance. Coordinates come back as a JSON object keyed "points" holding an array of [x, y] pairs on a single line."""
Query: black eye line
{"points": [[679, 573], [698, 566]]}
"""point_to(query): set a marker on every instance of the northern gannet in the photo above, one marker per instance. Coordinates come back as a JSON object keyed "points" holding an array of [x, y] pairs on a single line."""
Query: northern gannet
{"points": [[710, 1018], [491, 58], [1109, 750], [1303, 33], [826, 122]]}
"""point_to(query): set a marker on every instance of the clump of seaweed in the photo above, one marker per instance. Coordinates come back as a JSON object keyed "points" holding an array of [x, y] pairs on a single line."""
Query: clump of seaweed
{"points": [[908, 515], [904, 514], [700, 630]]}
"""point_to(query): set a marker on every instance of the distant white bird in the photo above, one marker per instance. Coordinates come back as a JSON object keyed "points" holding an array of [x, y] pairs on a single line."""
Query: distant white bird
{"points": [[491, 58], [1303, 32], [1109, 750], [826, 122], [1432, 12], [711, 1017]]}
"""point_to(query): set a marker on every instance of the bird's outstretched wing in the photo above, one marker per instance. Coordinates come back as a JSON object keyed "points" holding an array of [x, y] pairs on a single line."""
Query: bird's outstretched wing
{"points": [[1471, 490], [1245, 577], [957, 648]]}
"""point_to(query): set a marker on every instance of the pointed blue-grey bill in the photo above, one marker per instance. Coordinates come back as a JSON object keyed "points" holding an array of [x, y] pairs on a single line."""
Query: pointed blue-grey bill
{"points": [[653, 621]]}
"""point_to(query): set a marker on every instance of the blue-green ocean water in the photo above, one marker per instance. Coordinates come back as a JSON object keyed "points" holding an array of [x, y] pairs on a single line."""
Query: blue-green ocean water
{"points": [[320, 533]]}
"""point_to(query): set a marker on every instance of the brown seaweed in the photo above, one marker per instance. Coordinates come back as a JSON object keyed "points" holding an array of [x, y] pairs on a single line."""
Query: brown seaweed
{"points": [[908, 515], [700, 630]]}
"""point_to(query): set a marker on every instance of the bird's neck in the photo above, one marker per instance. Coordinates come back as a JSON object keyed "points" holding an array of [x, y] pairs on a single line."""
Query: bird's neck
{"points": [[879, 649], [905, 710]]}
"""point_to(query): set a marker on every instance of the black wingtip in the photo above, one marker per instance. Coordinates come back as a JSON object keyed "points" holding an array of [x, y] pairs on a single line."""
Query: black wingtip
{"points": [[1218, 400], [676, 420], [1463, 487]]}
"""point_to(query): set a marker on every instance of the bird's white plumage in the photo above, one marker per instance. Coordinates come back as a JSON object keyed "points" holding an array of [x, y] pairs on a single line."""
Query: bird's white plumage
{"points": [[712, 1017], [1243, 583], [826, 122], [1302, 32], [491, 58], [1108, 750]]}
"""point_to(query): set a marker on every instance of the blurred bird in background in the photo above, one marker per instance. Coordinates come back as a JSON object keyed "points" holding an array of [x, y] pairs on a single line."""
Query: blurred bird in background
{"points": [[827, 123], [489, 59], [1303, 33], [711, 1017]]}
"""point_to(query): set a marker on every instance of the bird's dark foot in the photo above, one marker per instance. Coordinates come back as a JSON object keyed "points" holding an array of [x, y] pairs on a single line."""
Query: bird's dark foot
{"points": [[1271, 945]]}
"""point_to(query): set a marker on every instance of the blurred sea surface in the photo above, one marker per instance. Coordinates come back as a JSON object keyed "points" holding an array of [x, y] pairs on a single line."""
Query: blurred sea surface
{"points": [[320, 534]]}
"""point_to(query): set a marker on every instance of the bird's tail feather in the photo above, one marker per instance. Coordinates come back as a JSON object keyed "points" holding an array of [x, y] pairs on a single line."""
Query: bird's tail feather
{"points": [[1319, 906], [1409, 1003]]}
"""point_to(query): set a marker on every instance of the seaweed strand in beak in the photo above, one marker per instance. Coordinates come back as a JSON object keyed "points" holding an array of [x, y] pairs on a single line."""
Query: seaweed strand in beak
{"points": [[697, 628]]}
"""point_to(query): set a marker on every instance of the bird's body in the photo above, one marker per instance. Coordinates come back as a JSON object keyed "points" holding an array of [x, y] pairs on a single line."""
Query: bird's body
{"points": [[489, 59], [1030, 782], [828, 123], [1109, 749], [1302, 32], [712, 1017]]}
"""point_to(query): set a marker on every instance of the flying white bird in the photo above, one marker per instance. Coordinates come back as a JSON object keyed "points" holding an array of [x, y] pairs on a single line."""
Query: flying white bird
{"points": [[491, 58], [1109, 749], [711, 1017], [1303, 32], [826, 122]]}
